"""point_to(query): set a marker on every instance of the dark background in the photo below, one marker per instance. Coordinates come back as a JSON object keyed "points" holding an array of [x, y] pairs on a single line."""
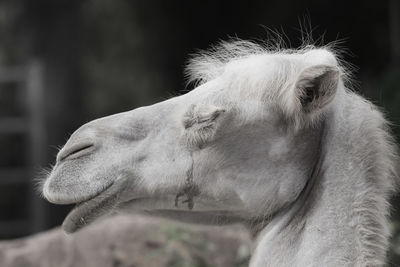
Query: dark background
{"points": [[66, 62]]}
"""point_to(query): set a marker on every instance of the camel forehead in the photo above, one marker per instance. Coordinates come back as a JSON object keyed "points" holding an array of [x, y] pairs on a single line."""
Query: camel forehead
{"points": [[248, 81], [259, 77], [260, 72]]}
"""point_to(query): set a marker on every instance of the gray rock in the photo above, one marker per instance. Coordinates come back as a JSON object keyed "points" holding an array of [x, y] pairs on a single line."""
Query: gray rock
{"points": [[134, 241]]}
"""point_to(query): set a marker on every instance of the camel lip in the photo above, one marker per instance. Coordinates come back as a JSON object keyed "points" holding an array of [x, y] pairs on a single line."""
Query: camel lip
{"points": [[66, 198], [87, 211]]}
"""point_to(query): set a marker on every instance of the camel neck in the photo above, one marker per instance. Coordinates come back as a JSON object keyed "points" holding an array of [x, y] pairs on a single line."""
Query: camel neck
{"points": [[340, 217]]}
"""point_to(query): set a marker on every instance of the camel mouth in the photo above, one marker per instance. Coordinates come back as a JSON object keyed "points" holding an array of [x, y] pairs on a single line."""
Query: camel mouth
{"points": [[90, 210]]}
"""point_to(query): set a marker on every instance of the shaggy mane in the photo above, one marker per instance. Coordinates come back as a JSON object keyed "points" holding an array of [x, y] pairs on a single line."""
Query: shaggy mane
{"points": [[206, 65], [378, 154]]}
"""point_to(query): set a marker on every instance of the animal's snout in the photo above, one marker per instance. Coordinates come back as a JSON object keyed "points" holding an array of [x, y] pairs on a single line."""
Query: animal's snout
{"points": [[67, 183], [75, 151], [81, 143]]}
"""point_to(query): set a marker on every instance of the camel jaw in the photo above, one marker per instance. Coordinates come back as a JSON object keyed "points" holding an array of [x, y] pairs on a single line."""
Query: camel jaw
{"points": [[90, 210]]}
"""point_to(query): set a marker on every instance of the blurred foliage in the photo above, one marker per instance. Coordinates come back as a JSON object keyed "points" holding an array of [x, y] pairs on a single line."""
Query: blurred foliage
{"points": [[13, 44], [186, 250], [17, 200], [11, 100], [14, 147], [384, 91], [119, 65]]}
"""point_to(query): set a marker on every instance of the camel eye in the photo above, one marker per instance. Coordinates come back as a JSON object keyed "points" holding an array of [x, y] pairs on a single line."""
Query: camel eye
{"points": [[201, 117], [201, 124]]}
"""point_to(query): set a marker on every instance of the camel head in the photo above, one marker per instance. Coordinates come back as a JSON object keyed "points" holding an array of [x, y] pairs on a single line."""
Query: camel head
{"points": [[243, 143]]}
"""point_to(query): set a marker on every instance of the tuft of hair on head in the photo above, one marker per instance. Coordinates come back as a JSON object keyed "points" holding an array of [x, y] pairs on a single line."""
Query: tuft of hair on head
{"points": [[206, 65]]}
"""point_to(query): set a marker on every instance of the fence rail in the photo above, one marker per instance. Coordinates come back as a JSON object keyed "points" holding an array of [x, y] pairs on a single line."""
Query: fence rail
{"points": [[29, 78]]}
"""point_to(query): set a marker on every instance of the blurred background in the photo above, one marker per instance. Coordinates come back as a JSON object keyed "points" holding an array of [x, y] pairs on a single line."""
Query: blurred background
{"points": [[66, 62]]}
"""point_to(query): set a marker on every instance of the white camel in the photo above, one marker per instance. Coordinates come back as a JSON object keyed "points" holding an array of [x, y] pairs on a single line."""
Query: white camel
{"points": [[271, 138]]}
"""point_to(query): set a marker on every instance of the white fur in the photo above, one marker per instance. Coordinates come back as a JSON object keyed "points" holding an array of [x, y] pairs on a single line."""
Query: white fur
{"points": [[270, 137]]}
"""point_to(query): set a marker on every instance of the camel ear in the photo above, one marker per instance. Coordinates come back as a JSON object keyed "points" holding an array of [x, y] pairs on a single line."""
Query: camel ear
{"points": [[200, 124], [316, 86]]}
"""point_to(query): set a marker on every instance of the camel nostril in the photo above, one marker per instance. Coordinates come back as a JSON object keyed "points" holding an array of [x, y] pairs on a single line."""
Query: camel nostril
{"points": [[75, 151]]}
